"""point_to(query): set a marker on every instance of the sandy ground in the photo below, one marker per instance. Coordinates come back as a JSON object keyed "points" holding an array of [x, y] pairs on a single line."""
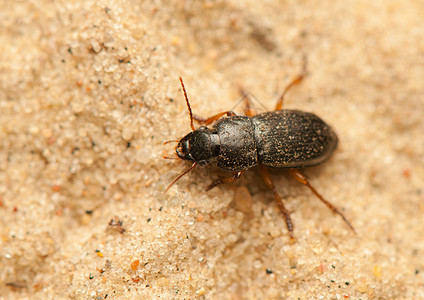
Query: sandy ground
{"points": [[90, 91]]}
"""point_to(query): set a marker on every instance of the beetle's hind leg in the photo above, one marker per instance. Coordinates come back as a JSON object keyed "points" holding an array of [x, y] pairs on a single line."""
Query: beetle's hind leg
{"points": [[303, 180], [286, 214], [236, 175]]}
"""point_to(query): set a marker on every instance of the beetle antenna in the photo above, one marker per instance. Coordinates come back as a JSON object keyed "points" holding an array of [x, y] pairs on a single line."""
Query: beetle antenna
{"points": [[188, 105], [171, 141], [181, 175]]}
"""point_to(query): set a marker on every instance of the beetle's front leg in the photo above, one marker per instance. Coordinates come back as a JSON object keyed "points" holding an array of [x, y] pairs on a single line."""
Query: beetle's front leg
{"points": [[221, 180], [210, 120]]}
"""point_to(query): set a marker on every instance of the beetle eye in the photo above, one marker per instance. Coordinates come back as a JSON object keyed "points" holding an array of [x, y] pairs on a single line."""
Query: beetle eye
{"points": [[186, 147], [183, 150]]}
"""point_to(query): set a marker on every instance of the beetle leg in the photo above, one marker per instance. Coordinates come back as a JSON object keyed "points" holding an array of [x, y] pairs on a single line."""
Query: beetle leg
{"points": [[248, 110], [286, 214], [303, 180], [295, 81], [221, 180], [210, 120]]}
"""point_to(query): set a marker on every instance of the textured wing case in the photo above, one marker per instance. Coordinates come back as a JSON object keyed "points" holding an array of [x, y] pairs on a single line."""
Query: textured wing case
{"points": [[292, 138]]}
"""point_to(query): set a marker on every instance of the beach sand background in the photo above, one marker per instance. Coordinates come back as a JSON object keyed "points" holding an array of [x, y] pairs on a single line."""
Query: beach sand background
{"points": [[89, 92]]}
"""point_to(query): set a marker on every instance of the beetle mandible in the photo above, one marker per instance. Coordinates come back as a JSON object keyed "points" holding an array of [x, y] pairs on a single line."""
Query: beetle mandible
{"points": [[280, 139]]}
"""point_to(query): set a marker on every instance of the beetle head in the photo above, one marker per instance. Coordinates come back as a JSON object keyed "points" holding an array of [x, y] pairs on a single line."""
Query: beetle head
{"points": [[201, 145]]}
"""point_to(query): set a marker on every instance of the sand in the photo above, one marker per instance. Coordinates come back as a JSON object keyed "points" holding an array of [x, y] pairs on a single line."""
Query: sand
{"points": [[90, 91]]}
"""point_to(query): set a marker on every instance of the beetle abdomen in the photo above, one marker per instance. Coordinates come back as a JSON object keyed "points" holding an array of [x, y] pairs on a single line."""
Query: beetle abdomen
{"points": [[292, 139]]}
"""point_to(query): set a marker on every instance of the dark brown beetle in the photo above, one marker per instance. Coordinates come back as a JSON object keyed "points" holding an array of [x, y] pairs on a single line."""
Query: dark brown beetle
{"points": [[281, 139]]}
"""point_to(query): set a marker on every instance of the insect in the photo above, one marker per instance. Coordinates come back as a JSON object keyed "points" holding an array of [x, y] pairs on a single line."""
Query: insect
{"points": [[280, 139]]}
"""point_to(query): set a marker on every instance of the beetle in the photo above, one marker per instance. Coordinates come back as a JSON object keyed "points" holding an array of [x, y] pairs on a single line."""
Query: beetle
{"points": [[281, 139]]}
